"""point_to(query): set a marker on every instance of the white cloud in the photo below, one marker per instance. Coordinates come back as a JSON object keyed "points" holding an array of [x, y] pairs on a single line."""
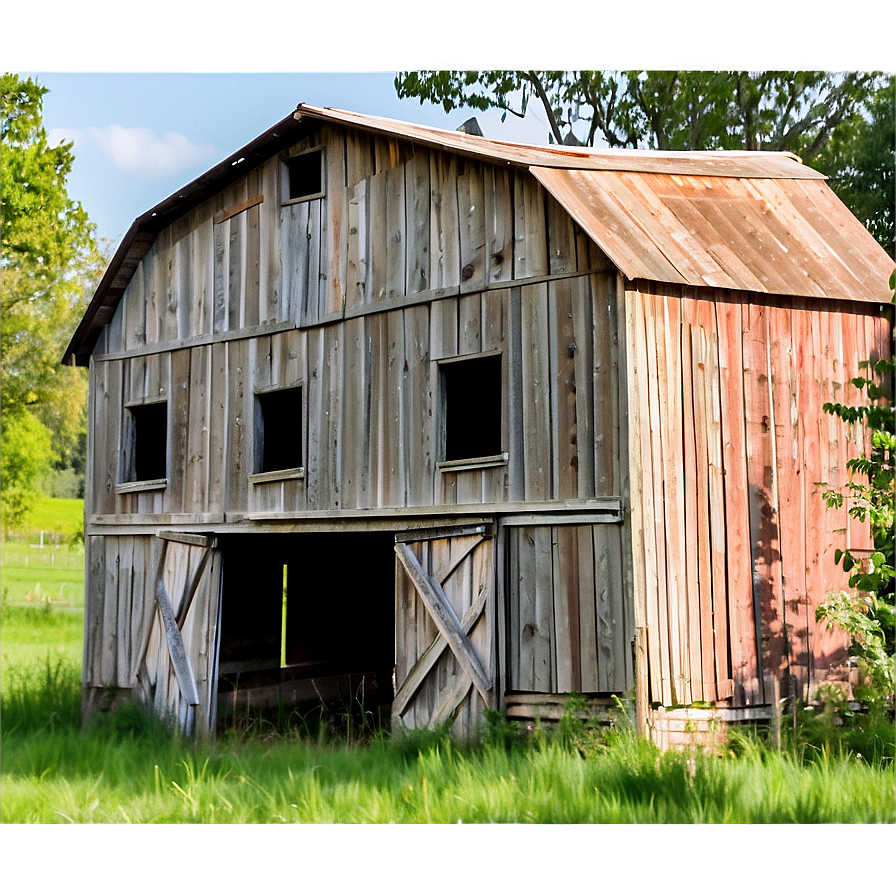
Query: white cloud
{"points": [[55, 136], [142, 152]]}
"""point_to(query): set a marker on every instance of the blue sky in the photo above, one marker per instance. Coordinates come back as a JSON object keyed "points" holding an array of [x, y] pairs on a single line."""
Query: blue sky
{"points": [[139, 137], [140, 131]]}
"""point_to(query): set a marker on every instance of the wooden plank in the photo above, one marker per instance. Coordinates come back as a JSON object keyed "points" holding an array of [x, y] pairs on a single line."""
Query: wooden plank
{"points": [[666, 313], [545, 658], [469, 324], [742, 631], [314, 305], [392, 444], [567, 609], [396, 234], [605, 377], [656, 517], [471, 211], [252, 313], [763, 494], [535, 384], [702, 412], [564, 301], [588, 623], [199, 434], [444, 249], [447, 622], [177, 652], [335, 222], [530, 238], [418, 418], [499, 224], [105, 652], [561, 238], [718, 524], [417, 214], [234, 210]]}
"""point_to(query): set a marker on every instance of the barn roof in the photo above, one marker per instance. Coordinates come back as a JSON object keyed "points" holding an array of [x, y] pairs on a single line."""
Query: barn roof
{"points": [[756, 221]]}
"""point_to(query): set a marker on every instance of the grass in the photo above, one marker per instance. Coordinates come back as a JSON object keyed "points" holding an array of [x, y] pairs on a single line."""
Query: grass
{"points": [[126, 768], [62, 517]]}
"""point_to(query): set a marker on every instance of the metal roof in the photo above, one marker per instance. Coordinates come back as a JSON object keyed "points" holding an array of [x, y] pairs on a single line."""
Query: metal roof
{"points": [[758, 221], [724, 163]]}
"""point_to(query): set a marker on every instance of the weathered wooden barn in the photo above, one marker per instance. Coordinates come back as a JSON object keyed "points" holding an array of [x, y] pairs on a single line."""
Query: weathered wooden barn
{"points": [[419, 418]]}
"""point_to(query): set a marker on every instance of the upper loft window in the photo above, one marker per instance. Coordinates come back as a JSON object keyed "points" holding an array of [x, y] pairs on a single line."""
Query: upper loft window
{"points": [[305, 176], [472, 397], [279, 431], [148, 442]]}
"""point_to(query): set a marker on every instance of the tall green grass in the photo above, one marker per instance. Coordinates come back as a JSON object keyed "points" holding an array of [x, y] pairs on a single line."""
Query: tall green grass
{"points": [[127, 768]]}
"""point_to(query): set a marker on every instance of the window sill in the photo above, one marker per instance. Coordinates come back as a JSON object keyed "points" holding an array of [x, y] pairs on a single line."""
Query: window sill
{"points": [[299, 199], [277, 475], [144, 485], [473, 463]]}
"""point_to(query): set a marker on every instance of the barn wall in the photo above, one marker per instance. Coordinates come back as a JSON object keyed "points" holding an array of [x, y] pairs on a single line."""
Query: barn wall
{"points": [[733, 545], [569, 625], [396, 221], [372, 431]]}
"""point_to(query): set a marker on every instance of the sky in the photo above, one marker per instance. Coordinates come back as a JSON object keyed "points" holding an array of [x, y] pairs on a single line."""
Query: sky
{"points": [[138, 137], [151, 101]]}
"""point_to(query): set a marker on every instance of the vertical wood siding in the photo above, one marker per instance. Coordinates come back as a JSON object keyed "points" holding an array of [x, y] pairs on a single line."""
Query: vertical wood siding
{"points": [[369, 424], [731, 536], [567, 627], [395, 221]]}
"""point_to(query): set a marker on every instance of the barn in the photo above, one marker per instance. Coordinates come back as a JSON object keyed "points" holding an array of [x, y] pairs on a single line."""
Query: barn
{"points": [[412, 418]]}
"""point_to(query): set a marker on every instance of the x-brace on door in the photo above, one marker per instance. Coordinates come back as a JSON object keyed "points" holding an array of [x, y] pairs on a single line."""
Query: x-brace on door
{"points": [[445, 628]]}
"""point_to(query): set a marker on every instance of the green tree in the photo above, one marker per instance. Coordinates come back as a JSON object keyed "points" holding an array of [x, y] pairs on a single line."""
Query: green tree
{"points": [[49, 262], [861, 164], [26, 454], [800, 112], [868, 615]]}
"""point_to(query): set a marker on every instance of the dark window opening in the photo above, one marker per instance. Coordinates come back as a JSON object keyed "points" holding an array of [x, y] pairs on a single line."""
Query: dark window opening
{"points": [[305, 174], [150, 441], [279, 430], [472, 391]]}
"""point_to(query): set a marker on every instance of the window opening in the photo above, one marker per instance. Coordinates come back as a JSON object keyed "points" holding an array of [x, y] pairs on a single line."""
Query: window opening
{"points": [[279, 430], [472, 395], [305, 174], [150, 441]]}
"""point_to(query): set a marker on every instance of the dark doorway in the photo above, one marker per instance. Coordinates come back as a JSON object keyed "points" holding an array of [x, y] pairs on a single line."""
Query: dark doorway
{"points": [[307, 619]]}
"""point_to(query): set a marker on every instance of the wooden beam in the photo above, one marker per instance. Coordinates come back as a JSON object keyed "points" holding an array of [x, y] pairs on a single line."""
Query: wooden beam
{"points": [[447, 622], [179, 659], [234, 210], [430, 656], [191, 538]]}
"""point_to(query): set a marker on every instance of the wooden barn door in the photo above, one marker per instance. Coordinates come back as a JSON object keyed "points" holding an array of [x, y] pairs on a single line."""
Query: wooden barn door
{"points": [[444, 622], [178, 673]]}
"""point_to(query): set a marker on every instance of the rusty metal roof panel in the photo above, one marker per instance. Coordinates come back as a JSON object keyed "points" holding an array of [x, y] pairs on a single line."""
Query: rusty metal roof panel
{"points": [[771, 235], [721, 163]]}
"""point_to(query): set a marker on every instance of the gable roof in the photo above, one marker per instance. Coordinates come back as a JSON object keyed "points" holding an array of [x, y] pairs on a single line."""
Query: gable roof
{"points": [[757, 221]]}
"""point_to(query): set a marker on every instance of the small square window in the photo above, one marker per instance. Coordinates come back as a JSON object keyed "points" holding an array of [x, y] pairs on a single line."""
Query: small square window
{"points": [[149, 445], [305, 175], [472, 407], [279, 430]]}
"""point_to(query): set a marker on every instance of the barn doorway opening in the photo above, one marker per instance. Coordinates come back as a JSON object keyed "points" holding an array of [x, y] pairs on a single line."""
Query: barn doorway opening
{"points": [[307, 621]]}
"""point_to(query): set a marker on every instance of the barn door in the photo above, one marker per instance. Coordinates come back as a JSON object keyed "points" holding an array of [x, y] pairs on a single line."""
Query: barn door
{"points": [[178, 673], [444, 621]]}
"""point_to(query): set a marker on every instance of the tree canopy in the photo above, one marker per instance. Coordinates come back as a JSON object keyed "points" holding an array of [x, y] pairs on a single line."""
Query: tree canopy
{"points": [[50, 260], [834, 121]]}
